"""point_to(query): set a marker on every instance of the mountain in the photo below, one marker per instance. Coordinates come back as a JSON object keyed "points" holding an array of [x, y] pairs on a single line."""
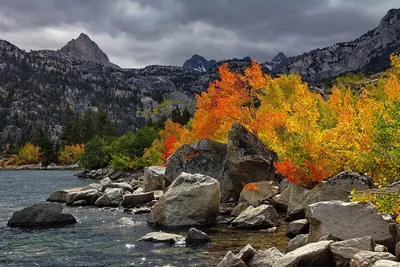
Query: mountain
{"points": [[50, 87], [83, 48], [368, 53], [198, 63], [277, 62]]}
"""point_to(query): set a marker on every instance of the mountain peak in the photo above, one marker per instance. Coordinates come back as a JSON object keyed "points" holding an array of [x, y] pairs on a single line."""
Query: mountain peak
{"points": [[83, 48], [391, 17], [198, 63]]}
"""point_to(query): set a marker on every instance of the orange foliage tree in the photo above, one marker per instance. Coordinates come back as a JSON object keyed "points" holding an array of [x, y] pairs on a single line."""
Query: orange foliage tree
{"points": [[28, 154], [71, 154], [313, 137]]}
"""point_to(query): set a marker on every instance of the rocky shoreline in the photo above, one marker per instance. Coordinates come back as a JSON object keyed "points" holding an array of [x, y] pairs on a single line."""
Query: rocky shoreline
{"points": [[40, 167], [206, 179]]}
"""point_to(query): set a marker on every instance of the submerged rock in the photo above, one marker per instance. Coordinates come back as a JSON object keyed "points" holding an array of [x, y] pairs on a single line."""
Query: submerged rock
{"points": [[161, 237], [124, 221], [41, 215], [190, 200]]}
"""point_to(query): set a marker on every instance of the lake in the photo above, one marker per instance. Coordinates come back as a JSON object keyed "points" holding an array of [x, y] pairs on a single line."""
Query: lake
{"points": [[95, 240]]}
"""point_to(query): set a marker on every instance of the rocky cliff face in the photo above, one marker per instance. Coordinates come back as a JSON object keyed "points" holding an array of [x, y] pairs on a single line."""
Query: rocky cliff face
{"points": [[277, 62], [368, 53], [84, 49]]}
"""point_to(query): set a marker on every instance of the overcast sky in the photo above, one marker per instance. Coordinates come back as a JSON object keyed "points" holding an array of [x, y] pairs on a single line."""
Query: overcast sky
{"points": [[144, 32]]}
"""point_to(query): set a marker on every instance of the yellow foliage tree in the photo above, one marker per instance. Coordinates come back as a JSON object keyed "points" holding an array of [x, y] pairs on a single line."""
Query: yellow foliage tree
{"points": [[71, 154]]}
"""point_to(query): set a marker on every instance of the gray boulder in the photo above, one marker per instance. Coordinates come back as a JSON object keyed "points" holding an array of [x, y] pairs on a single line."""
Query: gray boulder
{"points": [[311, 255], [348, 220], [61, 195], [161, 237], [124, 186], [262, 191], [154, 178], [190, 200], [196, 237], [368, 258], [386, 263], [112, 197], [105, 182], [41, 215], [343, 251], [131, 200], [246, 253], [380, 248], [261, 217], [206, 157], [248, 158], [265, 258], [297, 227], [96, 186], [295, 243], [239, 208], [90, 195], [231, 260], [293, 198], [339, 187]]}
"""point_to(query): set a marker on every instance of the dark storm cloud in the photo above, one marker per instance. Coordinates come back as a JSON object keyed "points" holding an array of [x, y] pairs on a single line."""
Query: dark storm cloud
{"points": [[138, 33]]}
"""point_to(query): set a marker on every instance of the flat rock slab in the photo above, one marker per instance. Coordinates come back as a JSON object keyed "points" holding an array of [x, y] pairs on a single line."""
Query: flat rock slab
{"points": [[161, 237], [41, 215], [131, 200]]}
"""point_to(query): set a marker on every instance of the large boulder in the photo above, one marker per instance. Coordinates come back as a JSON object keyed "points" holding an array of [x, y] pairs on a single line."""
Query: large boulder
{"points": [[61, 195], [90, 195], [339, 187], [386, 263], [343, 251], [292, 198], [368, 258], [248, 158], [349, 220], [265, 258], [239, 208], [258, 192], [154, 178], [112, 197], [41, 215], [311, 255], [246, 253], [206, 157], [264, 216], [192, 199], [131, 200]]}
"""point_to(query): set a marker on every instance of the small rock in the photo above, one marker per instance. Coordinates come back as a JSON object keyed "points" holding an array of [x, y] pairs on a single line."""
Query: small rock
{"points": [[131, 200], [264, 216], [142, 210], [61, 195], [79, 203], [231, 260], [105, 183], [297, 242], [265, 258], [380, 248], [124, 221], [368, 258], [161, 237], [195, 237], [246, 253], [297, 227], [239, 208], [386, 263]]}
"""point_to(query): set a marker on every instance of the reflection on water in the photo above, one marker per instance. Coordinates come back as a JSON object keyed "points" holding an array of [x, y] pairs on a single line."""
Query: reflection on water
{"points": [[96, 240]]}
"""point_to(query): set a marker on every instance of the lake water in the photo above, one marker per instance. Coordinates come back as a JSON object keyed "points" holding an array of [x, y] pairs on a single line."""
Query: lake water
{"points": [[95, 240]]}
